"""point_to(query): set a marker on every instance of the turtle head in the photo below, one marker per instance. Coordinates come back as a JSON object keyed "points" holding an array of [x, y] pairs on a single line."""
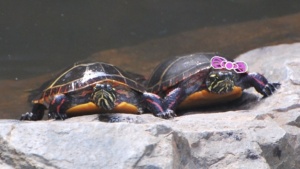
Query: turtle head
{"points": [[220, 81], [104, 96]]}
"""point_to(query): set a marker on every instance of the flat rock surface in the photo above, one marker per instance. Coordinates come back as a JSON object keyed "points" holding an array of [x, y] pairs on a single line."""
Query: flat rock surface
{"points": [[256, 133]]}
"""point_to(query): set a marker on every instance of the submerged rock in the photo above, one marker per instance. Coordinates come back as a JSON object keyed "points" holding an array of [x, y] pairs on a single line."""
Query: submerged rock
{"points": [[260, 133]]}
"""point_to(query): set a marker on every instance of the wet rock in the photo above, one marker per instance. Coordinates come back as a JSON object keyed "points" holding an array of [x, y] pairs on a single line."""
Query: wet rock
{"points": [[265, 134]]}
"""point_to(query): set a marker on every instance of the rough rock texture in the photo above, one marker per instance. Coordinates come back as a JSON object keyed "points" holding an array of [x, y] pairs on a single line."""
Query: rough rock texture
{"points": [[258, 133]]}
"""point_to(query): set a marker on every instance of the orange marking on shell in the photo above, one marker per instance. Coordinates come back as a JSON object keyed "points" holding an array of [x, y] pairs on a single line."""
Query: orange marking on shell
{"points": [[205, 97], [91, 108], [85, 92]]}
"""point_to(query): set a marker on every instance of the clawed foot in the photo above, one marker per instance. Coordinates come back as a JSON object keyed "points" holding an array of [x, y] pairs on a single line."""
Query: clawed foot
{"points": [[57, 116], [269, 89], [37, 113], [104, 96], [167, 114], [28, 116]]}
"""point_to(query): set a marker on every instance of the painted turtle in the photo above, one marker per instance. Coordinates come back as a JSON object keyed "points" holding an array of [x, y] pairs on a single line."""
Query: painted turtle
{"points": [[191, 81], [93, 88]]}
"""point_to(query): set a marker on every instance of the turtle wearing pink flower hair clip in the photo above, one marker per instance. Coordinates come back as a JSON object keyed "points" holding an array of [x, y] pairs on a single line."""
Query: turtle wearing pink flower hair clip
{"points": [[203, 79]]}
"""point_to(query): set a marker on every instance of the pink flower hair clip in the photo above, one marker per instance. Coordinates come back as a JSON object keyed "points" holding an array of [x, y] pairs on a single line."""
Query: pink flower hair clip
{"points": [[218, 62]]}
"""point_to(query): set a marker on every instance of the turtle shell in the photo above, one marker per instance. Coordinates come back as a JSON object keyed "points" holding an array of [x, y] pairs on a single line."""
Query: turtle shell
{"points": [[177, 69], [82, 76]]}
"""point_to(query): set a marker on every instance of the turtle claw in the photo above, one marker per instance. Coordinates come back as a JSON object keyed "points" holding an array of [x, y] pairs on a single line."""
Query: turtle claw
{"points": [[57, 116], [37, 113], [27, 116], [167, 114], [269, 89]]}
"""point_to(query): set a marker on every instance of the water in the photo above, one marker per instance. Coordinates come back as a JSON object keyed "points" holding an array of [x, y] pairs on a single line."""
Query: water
{"points": [[37, 39]]}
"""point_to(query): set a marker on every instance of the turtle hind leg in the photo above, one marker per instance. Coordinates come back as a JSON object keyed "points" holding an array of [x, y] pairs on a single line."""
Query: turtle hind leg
{"points": [[157, 106], [58, 107], [37, 113], [104, 96], [260, 83]]}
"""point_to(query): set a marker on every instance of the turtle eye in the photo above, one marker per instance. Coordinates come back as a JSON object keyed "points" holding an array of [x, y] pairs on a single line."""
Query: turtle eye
{"points": [[213, 76], [233, 76]]}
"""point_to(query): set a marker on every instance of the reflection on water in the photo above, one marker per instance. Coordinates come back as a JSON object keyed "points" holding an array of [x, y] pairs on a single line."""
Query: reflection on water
{"points": [[39, 38]]}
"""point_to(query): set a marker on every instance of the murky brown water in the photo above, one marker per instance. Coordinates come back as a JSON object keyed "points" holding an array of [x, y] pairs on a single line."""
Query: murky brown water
{"points": [[37, 39]]}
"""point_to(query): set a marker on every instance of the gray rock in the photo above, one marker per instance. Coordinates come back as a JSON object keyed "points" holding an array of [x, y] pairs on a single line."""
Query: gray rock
{"points": [[263, 134]]}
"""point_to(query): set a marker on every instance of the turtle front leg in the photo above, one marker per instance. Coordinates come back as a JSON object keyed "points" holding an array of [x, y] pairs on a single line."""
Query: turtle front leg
{"points": [[58, 107], [259, 82], [104, 96], [157, 106], [37, 113]]}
